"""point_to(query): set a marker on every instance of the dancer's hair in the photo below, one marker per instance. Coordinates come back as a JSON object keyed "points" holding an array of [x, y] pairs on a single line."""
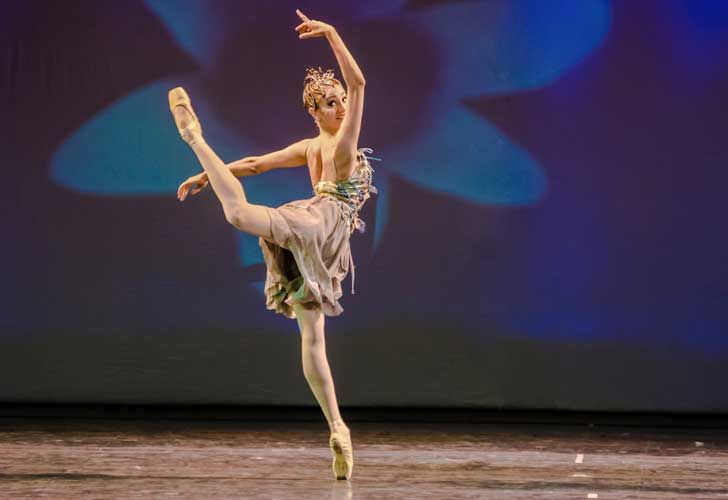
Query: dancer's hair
{"points": [[313, 85]]}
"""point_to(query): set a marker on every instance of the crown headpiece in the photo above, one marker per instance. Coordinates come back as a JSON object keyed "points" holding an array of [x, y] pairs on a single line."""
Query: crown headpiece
{"points": [[313, 85]]}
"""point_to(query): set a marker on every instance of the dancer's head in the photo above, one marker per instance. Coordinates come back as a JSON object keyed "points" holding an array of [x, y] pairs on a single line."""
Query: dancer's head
{"points": [[325, 99]]}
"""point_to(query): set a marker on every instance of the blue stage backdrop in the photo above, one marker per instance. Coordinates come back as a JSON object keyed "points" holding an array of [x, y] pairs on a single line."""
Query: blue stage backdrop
{"points": [[549, 231]]}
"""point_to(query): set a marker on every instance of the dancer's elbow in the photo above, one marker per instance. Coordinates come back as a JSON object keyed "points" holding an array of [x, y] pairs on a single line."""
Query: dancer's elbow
{"points": [[358, 82]]}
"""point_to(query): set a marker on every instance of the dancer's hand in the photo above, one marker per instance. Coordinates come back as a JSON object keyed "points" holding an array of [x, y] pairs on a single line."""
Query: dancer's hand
{"points": [[193, 185], [311, 28]]}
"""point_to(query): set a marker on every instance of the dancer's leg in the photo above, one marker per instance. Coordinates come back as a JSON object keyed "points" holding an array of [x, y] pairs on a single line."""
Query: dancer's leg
{"points": [[317, 372], [315, 364], [252, 219]]}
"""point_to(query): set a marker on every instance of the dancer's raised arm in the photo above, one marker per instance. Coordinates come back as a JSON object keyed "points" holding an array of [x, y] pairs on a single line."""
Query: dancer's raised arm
{"points": [[348, 134]]}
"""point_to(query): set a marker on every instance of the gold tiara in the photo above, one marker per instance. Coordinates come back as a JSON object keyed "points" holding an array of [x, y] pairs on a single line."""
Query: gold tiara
{"points": [[313, 85]]}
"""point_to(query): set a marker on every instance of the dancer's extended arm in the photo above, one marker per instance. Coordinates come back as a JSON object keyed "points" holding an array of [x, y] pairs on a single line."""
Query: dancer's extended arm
{"points": [[348, 134], [291, 156]]}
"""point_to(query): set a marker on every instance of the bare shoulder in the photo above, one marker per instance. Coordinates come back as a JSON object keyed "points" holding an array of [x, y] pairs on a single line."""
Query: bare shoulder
{"points": [[310, 142], [303, 145], [310, 146], [300, 149]]}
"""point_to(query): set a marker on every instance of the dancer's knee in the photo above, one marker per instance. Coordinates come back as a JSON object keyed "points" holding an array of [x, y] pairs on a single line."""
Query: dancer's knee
{"points": [[235, 214], [310, 323], [249, 218], [243, 218]]}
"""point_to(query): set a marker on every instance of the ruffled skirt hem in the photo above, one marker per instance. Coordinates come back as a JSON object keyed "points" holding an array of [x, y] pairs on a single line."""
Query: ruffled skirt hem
{"points": [[307, 257]]}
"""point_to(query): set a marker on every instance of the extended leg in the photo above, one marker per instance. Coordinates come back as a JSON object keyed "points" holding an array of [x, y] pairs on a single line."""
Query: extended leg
{"points": [[245, 216]]}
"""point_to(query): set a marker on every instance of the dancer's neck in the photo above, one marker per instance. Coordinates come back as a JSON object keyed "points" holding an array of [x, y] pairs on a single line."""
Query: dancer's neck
{"points": [[326, 136]]}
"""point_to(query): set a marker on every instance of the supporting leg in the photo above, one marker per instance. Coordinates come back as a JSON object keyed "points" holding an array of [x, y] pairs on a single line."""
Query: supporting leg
{"points": [[318, 374], [316, 365]]}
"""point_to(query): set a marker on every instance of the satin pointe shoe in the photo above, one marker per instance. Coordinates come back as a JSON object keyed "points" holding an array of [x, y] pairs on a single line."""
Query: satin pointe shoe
{"points": [[191, 131], [343, 463]]}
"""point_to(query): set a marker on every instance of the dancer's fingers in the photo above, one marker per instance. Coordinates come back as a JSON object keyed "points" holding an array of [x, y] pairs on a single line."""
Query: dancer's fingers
{"points": [[302, 15], [301, 26]]}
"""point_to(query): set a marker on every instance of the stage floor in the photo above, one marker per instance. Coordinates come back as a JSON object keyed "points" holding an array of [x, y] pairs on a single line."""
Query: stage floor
{"points": [[76, 457]]}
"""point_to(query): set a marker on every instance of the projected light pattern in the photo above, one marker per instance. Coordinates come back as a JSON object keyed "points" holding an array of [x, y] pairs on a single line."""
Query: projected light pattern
{"points": [[481, 50], [132, 147], [632, 153], [552, 197], [518, 105]]}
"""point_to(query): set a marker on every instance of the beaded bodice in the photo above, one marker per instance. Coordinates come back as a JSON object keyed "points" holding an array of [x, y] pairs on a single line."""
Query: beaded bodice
{"points": [[353, 192]]}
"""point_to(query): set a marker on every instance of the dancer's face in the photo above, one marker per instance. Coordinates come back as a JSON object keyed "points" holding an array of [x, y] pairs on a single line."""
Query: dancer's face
{"points": [[331, 108]]}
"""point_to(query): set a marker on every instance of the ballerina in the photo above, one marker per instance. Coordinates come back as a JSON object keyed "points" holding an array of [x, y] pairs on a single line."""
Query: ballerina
{"points": [[305, 243]]}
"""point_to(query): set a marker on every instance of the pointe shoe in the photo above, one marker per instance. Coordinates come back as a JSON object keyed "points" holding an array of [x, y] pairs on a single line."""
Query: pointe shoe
{"points": [[343, 463], [193, 130]]}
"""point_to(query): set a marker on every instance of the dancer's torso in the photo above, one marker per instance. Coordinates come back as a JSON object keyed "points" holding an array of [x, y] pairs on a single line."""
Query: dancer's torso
{"points": [[322, 165], [352, 192]]}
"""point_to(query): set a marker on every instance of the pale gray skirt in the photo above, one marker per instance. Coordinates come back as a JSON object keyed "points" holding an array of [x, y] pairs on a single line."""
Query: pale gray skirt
{"points": [[308, 256]]}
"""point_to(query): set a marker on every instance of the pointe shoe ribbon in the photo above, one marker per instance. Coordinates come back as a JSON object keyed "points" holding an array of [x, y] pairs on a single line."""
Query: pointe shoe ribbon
{"points": [[343, 463], [193, 130]]}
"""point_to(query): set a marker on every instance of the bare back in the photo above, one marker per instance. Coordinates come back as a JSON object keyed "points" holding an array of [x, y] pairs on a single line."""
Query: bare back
{"points": [[322, 164]]}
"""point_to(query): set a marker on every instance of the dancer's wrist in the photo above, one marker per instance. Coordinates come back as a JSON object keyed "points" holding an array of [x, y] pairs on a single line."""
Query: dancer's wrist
{"points": [[331, 34]]}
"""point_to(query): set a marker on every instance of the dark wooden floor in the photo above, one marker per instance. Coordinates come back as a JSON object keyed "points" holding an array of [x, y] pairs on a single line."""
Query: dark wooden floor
{"points": [[81, 457]]}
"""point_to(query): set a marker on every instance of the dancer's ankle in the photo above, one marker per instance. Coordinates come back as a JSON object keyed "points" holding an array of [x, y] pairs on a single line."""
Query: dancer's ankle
{"points": [[338, 425], [191, 136]]}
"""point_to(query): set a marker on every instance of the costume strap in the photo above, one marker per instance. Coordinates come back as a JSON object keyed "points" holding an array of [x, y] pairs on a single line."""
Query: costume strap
{"points": [[353, 271], [368, 150]]}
